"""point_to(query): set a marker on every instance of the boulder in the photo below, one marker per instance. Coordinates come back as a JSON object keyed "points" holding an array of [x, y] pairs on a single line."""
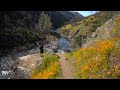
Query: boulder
{"points": [[21, 68], [4, 73]]}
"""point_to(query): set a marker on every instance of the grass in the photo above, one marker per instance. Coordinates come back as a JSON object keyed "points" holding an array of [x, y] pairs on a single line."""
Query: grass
{"points": [[49, 69]]}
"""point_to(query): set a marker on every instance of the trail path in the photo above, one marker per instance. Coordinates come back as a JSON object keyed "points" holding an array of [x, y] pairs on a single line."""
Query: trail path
{"points": [[27, 63], [68, 69]]}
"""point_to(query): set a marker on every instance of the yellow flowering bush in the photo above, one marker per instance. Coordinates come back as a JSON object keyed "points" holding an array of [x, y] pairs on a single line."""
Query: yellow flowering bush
{"points": [[101, 59], [93, 61], [49, 68]]}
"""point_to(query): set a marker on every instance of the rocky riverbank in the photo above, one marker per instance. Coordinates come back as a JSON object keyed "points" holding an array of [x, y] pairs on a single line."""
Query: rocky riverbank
{"points": [[10, 64]]}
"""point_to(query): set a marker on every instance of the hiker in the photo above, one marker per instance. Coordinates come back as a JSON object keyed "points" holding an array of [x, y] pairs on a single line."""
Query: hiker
{"points": [[40, 45]]}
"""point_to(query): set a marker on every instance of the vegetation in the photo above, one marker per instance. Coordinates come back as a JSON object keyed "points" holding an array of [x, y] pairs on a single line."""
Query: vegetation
{"points": [[95, 40], [18, 28], [81, 30], [49, 69], [60, 18], [44, 26], [101, 58]]}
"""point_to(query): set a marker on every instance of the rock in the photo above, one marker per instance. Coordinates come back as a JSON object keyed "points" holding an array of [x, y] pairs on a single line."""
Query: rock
{"points": [[14, 65], [58, 56], [4, 73], [32, 65], [59, 51], [93, 35], [55, 50], [21, 68], [20, 72], [52, 52], [24, 57]]}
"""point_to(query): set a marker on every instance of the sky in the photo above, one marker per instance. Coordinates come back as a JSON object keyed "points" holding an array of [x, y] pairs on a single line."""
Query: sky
{"points": [[86, 13]]}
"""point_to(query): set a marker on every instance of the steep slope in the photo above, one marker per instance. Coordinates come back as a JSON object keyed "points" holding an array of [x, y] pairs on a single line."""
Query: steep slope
{"points": [[78, 14], [99, 57], [79, 31], [59, 18]]}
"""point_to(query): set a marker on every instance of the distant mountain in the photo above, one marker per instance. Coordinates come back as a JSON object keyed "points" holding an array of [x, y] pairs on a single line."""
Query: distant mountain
{"points": [[71, 14], [59, 18], [78, 14]]}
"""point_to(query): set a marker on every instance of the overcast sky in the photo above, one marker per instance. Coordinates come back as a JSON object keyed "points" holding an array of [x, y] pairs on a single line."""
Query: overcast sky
{"points": [[86, 13]]}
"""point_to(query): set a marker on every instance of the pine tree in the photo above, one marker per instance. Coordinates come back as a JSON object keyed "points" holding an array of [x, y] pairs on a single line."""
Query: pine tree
{"points": [[44, 26]]}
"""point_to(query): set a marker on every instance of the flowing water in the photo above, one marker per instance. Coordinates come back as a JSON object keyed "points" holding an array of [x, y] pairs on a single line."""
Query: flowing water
{"points": [[63, 45]]}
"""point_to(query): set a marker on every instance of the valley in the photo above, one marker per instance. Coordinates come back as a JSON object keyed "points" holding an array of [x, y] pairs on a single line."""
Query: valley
{"points": [[75, 47]]}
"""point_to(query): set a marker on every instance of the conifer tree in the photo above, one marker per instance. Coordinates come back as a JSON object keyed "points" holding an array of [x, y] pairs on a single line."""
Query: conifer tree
{"points": [[44, 26]]}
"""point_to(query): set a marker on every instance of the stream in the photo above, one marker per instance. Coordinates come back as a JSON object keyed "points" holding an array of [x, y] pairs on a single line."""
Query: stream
{"points": [[63, 45]]}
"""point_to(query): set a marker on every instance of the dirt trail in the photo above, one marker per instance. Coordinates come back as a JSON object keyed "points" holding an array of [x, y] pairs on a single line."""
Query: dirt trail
{"points": [[68, 70], [28, 62]]}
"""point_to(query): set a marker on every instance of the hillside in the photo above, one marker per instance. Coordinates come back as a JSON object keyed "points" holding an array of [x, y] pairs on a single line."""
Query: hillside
{"points": [[99, 57], [79, 31]]}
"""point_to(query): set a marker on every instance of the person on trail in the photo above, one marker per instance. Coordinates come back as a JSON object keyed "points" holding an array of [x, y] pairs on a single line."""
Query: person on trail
{"points": [[40, 45]]}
